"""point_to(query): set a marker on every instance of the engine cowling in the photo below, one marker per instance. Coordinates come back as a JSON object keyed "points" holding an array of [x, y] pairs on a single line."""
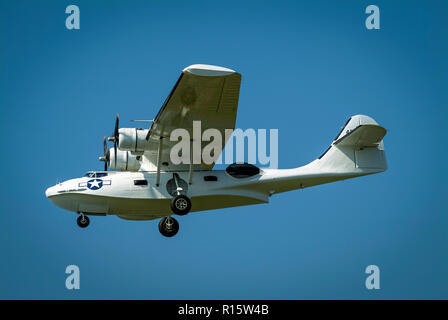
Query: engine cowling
{"points": [[132, 139], [125, 161]]}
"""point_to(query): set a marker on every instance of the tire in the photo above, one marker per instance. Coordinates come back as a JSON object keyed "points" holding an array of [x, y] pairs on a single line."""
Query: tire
{"points": [[168, 231], [181, 205], [83, 221]]}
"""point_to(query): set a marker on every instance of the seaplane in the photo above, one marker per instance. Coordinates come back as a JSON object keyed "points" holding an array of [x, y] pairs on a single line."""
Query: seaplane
{"points": [[144, 183]]}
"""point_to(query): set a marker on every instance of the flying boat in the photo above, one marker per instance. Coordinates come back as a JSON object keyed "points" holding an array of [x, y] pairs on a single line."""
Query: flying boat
{"points": [[140, 181]]}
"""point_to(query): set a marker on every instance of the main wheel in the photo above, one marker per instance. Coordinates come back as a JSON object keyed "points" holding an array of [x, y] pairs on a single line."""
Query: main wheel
{"points": [[181, 205], [168, 226], [83, 221]]}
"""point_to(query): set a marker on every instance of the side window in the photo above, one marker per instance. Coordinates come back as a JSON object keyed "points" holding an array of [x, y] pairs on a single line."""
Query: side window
{"points": [[140, 182]]}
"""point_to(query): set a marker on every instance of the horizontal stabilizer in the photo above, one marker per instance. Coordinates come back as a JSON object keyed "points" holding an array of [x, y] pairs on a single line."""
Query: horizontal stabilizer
{"points": [[365, 135]]}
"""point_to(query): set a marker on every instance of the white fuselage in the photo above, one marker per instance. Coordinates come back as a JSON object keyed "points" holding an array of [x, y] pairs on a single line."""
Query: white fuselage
{"points": [[118, 194], [357, 151]]}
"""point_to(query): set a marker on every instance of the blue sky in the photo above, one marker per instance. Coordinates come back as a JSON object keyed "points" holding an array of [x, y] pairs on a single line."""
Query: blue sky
{"points": [[307, 66]]}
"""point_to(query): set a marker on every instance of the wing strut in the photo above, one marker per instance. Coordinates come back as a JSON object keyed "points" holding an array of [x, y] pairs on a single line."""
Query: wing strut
{"points": [[190, 175], [179, 189], [159, 159]]}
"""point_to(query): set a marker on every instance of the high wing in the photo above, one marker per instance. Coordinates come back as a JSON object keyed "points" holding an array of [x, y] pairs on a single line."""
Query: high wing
{"points": [[202, 93]]}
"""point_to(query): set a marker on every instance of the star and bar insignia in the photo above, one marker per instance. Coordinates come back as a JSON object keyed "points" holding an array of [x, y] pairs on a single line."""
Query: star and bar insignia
{"points": [[95, 184]]}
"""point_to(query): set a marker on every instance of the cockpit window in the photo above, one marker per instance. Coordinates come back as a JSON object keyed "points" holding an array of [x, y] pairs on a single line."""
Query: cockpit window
{"points": [[101, 174], [95, 174]]}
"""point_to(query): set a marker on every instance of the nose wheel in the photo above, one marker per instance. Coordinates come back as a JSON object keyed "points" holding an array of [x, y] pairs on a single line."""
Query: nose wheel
{"points": [[168, 226], [83, 221]]}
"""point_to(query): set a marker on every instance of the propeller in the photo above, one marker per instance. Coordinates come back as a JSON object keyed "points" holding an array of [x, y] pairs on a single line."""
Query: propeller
{"points": [[106, 157], [115, 137]]}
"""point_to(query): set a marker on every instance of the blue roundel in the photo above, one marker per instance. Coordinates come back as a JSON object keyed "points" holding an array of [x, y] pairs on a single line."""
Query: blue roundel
{"points": [[94, 184]]}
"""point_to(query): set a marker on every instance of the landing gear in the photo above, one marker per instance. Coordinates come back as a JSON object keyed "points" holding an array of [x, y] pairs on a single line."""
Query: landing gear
{"points": [[83, 221], [168, 226], [181, 205]]}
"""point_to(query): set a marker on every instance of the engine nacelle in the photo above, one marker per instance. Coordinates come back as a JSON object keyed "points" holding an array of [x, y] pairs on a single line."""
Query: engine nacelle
{"points": [[125, 161], [132, 139]]}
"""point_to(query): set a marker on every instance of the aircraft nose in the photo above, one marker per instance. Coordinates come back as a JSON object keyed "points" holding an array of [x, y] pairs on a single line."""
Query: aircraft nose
{"points": [[50, 192]]}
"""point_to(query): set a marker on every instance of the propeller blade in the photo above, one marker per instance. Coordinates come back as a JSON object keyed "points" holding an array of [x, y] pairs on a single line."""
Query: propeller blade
{"points": [[105, 153], [116, 127], [108, 157], [116, 136], [115, 153]]}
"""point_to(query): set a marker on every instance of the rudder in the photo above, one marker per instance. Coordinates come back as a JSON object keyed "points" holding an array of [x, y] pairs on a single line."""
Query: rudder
{"points": [[358, 147]]}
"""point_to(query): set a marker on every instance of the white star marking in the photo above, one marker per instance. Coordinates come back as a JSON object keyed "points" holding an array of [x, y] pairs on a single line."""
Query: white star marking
{"points": [[95, 183]]}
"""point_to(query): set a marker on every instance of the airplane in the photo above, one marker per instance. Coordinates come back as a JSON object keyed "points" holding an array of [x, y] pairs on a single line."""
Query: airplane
{"points": [[145, 184]]}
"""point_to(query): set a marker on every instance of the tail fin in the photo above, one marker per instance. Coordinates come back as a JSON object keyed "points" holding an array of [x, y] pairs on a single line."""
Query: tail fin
{"points": [[358, 148]]}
